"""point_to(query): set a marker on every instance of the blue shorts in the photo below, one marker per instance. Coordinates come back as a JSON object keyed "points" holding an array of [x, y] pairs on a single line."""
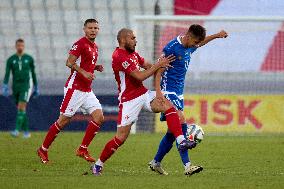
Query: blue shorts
{"points": [[176, 101]]}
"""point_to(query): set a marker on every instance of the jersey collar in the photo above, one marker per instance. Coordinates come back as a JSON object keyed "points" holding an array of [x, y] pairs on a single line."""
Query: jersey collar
{"points": [[179, 39], [88, 41]]}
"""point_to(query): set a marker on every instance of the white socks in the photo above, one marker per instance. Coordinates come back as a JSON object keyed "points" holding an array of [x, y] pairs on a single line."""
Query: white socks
{"points": [[180, 138], [99, 163]]}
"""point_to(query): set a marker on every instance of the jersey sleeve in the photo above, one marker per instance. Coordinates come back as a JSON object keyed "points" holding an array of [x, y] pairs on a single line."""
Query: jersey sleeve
{"points": [[76, 49], [7, 72], [141, 60], [128, 66], [32, 66], [168, 50]]}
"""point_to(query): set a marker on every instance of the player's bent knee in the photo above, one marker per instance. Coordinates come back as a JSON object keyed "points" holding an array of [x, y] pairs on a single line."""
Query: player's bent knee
{"points": [[167, 105], [63, 121], [101, 120], [22, 106], [123, 132], [122, 136], [98, 117]]}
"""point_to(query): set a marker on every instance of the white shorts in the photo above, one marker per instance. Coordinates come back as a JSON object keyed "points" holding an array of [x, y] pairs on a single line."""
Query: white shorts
{"points": [[75, 100], [129, 111]]}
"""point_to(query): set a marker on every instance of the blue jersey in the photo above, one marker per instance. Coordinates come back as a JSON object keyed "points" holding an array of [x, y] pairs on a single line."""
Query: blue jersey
{"points": [[173, 78], [172, 82]]}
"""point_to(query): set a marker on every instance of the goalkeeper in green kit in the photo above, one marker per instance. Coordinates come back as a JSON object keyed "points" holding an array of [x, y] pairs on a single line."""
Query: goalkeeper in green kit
{"points": [[24, 78]]}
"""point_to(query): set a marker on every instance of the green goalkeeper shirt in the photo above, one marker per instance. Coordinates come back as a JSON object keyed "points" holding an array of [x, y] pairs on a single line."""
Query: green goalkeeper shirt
{"points": [[23, 70]]}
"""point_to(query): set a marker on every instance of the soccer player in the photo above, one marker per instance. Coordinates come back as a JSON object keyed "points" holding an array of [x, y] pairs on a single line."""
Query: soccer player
{"points": [[172, 84], [24, 77], [78, 92], [133, 96]]}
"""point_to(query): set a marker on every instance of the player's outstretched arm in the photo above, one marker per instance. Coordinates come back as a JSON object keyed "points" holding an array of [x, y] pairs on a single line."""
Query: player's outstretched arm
{"points": [[147, 65], [221, 34], [34, 77], [162, 62], [5, 88], [71, 63], [7, 72]]}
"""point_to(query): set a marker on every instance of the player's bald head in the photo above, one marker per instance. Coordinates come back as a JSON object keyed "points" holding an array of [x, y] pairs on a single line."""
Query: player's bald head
{"points": [[126, 39], [122, 34]]}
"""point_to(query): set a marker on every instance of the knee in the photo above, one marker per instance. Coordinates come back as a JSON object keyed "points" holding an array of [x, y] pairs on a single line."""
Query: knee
{"points": [[101, 119], [98, 117], [167, 105], [22, 106], [62, 122], [122, 137]]}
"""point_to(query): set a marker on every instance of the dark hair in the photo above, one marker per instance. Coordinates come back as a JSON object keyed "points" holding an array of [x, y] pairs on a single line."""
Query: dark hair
{"points": [[20, 40], [90, 20], [197, 31]]}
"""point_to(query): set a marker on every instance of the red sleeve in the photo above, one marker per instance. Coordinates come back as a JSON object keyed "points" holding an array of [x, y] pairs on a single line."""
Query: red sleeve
{"points": [[128, 66], [76, 49], [140, 59]]}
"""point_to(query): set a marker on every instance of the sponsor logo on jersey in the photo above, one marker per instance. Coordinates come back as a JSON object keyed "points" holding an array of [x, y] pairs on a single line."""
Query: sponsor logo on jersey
{"points": [[74, 47], [125, 64]]}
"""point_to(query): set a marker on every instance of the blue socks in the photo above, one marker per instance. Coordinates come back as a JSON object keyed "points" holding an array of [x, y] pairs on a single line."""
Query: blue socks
{"points": [[166, 145]]}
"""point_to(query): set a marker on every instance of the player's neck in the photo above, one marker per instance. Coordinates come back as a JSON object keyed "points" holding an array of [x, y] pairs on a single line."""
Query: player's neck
{"points": [[121, 47], [20, 54], [91, 40]]}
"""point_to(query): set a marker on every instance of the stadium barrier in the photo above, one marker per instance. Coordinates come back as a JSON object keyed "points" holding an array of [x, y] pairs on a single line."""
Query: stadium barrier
{"points": [[233, 113], [44, 110]]}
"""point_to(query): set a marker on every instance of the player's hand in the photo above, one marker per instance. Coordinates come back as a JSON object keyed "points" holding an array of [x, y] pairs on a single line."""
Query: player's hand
{"points": [[99, 68], [159, 95], [222, 34], [164, 62], [5, 90], [88, 75], [35, 92]]}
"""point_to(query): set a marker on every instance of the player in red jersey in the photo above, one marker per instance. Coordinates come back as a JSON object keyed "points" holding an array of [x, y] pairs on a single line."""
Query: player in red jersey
{"points": [[133, 96], [78, 92]]}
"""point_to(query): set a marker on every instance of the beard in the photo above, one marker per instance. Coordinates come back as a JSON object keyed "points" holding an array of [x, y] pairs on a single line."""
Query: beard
{"points": [[20, 51], [129, 48]]}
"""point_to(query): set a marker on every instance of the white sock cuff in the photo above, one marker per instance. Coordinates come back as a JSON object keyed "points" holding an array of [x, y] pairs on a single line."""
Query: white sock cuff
{"points": [[187, 165], [180, 138], [44, 149], [99, 163]]}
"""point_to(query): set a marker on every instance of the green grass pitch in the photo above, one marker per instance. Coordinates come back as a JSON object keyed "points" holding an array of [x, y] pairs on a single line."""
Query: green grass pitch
{"points": [[229, 162]]}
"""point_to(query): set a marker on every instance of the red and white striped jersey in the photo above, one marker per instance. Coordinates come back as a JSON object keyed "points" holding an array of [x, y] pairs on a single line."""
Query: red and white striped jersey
{"points": [[88, 52], [123, 63]]}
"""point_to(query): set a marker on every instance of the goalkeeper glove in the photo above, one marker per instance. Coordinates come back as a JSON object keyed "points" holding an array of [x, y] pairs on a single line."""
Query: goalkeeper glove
{"points": [[36, 92], [5, 90]]}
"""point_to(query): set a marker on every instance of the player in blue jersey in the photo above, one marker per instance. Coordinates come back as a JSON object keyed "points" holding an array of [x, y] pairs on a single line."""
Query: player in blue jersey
{"points": [[170, 82]]}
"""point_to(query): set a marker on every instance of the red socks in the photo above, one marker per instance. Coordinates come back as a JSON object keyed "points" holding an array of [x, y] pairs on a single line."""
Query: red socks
{"points": [[50, 136], [110, 148], [173, 122], [90, 133]]}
